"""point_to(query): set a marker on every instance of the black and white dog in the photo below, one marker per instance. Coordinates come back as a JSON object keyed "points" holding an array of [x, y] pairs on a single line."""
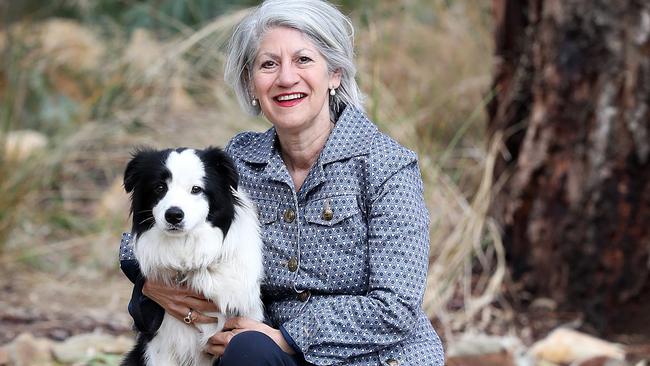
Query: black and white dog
{"points": [[193, 226]]}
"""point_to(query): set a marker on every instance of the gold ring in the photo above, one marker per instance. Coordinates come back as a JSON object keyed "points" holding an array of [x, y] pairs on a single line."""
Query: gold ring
{"points": [[188, 319]]}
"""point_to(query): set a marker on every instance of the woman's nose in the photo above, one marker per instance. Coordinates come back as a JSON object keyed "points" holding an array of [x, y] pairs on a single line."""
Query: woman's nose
{"points": [[288, 75]]}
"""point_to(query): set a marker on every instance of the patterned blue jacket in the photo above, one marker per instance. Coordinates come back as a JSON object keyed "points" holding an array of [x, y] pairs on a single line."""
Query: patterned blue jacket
{"points": [[345, 256]]}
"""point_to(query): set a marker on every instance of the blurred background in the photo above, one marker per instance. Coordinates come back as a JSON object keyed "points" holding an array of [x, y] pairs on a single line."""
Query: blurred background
{"points": [[84, 82]]}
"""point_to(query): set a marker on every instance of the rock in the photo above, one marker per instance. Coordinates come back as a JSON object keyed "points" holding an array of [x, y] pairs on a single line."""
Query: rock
{"points": [[470, 344], [601, 361], [566, 346], [4, 356], [481, 349], [545, 363], [490, 359], [26, 350], [80, 347], [20, 144], [544, 303]]}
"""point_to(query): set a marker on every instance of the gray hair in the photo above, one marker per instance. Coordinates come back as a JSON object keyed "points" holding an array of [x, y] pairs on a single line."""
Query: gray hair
{"points": [[330, 31]]}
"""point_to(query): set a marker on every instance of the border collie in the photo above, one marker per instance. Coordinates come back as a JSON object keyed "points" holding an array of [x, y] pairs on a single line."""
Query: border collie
{"points": [[193, 227]]}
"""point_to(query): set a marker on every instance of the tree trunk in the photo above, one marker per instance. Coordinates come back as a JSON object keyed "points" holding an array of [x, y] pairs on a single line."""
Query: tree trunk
{"points": [[572, 99]]}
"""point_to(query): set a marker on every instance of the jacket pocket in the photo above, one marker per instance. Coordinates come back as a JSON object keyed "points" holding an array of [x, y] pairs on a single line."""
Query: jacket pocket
{"points": [[331, 211], [393, 356]]}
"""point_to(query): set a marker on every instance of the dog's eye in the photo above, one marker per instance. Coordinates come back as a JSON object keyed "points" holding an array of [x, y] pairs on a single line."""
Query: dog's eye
{"points": [[196, 190], [160, 188]]}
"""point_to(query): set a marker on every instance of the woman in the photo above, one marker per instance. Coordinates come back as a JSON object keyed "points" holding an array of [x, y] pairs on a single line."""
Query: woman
{"points": [[345, 227]]}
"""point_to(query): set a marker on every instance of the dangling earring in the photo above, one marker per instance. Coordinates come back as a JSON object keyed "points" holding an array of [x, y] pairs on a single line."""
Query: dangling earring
{"points": [[254, 102], [332, 91]]}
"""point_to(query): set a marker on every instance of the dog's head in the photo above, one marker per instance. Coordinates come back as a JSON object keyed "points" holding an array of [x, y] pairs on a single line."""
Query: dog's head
{"points": [[175, 190]]}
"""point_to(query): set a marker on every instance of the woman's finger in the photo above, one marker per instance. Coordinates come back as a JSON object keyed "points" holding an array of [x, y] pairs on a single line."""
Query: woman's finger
{"points": [[202, 305], [178, 301], [178, 311], [241, 322], [181, 313], [215, 350], [221, 338], [218, 343], [234, 323], [237, 331], [199, 318]]}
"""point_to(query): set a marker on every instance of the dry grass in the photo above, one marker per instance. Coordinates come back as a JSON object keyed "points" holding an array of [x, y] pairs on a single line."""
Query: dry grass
{"points": [[466, 246], [426, 68], [423, 64]]}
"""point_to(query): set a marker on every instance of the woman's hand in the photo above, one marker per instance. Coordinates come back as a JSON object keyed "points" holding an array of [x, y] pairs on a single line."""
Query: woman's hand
{"points": [[218, 342], [178, 301]]}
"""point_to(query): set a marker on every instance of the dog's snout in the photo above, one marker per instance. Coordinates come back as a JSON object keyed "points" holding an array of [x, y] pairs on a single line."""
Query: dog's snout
{"points": [[174, 215]]}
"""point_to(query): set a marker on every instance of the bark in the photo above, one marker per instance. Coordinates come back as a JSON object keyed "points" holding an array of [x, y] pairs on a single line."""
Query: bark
{"points": [[573, 99]]}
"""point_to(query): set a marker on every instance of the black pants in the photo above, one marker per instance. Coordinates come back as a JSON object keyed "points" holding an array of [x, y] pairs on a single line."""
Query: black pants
{"points": [[258, 349]]}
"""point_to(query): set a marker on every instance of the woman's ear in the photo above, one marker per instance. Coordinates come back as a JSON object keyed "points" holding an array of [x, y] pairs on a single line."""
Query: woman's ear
{"points": [[335, 79], [247, 76]]}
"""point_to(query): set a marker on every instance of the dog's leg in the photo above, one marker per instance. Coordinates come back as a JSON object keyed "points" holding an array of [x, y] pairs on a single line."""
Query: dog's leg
{"points": [[175, 344], [210, 329], [230, 287], [159, 352], [136, 356]]}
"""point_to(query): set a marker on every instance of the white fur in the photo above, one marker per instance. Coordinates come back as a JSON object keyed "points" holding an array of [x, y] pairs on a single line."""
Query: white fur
{"points": [[228, 271]]}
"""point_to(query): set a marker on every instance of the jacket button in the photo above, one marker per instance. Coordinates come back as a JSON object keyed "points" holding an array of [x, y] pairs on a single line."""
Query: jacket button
{"points": [[289, 215], [328, 214], [292, 264], [304, 296], [392, 362]]}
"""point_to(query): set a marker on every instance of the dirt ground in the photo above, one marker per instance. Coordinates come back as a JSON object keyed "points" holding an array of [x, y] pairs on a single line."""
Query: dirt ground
{"points": [[58, 307]]}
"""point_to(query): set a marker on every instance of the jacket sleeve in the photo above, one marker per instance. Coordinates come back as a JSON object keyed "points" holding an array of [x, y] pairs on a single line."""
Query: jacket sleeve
{"points": [[333, 328], [147, 314]]}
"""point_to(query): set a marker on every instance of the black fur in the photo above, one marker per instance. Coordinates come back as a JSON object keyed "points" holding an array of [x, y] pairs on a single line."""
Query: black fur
{"points": [[136, 356]]}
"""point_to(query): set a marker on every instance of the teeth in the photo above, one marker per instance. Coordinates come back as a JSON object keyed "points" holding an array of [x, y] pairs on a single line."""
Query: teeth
{"points": [[290, 96]]}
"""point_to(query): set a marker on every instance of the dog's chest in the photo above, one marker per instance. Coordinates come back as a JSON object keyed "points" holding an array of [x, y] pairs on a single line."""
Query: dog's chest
{"points": [[176, 259]]}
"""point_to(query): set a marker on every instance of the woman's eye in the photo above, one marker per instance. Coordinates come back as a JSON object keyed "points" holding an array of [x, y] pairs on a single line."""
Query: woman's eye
{"points": [[160, 188], [304, 59], [267, 64], [196, 190]]}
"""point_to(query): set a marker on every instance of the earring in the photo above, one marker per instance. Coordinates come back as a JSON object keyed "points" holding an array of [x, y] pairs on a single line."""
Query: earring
{"points": [[254, 102], [332, 91]]}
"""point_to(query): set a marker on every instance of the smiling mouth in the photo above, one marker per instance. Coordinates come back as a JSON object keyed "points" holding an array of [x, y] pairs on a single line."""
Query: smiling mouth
{"points": [[289, 99]]}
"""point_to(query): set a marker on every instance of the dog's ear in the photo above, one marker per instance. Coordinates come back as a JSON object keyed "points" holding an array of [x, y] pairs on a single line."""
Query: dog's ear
{"points": [[133, 168], [218, 160]]}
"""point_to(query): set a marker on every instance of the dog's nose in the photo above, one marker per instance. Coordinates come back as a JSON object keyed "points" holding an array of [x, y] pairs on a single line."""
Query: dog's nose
{"points": [[174, 215]]}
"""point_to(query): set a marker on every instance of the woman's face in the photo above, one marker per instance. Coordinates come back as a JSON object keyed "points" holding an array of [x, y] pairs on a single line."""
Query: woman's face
{"points": [[291, 80]]}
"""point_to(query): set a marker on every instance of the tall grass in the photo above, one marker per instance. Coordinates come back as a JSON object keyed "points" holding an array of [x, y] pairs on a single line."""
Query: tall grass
{"points": [[423, 64]]}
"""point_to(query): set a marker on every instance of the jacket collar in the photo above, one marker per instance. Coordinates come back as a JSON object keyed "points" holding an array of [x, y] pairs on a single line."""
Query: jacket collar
{"points": [[350, 137], [260, 149]]}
